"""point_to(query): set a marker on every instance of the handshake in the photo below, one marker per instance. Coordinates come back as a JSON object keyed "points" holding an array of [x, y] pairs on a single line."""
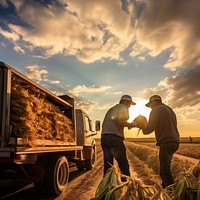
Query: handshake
{"points": [[140, 122]]}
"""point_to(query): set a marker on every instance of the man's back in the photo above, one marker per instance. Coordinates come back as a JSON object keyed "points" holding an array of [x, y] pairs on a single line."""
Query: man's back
{"points": [[166, 128], [111, 123], [163, 121]]}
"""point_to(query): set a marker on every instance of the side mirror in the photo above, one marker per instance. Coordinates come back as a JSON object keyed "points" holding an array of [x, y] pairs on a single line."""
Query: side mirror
{"points": [[97, 125]]}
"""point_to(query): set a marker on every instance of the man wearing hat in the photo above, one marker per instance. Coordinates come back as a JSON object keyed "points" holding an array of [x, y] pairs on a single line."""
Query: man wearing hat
{"points": [[163, 121], [113, 135]]}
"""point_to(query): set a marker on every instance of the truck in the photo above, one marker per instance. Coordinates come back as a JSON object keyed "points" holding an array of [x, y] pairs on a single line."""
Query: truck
{"points": [[44, 159]]}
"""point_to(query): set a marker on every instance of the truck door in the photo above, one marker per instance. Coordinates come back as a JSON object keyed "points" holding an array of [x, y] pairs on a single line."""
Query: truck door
{"points": [[88, 131], [84, 130]]}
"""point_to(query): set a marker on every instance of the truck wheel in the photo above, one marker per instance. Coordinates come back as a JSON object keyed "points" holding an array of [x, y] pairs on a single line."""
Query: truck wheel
{"points": [[57, 175], [80, 165], [89, 163]]}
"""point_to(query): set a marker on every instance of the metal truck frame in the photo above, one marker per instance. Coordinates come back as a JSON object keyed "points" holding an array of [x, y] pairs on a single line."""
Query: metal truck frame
{"points": [[47, 163]]}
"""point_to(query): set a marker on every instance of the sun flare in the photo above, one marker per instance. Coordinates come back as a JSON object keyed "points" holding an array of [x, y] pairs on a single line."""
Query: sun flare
{"points": [[139, 109]]}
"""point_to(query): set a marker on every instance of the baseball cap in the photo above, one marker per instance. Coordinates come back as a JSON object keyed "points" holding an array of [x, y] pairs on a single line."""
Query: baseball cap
{"points": [[153, 98], [128, 98]]}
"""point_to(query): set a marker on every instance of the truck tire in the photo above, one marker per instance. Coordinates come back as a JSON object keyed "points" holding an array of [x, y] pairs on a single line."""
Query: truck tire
{"points": [[89, 163], [57, 175], [80, 165]]}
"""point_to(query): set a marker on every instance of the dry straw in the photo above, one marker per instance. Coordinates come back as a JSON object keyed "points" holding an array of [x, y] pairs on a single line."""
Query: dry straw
{"points": [[33, 117]]}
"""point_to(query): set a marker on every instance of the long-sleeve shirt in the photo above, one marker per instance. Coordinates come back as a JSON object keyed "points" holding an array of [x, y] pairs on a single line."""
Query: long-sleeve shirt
{"points": [[163, 121], [115, 120]]}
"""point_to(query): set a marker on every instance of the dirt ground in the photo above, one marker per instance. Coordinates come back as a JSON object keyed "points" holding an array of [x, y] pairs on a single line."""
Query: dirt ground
{"points": [[84, 187], [83, 184]]}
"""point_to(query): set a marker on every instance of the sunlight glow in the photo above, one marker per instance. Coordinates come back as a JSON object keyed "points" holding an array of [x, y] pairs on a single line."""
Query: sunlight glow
{"points": [[139, 109]]}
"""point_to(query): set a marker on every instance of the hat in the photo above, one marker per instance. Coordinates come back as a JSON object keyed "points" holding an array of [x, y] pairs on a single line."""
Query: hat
{"points": [[127, 98], [153, 98]]}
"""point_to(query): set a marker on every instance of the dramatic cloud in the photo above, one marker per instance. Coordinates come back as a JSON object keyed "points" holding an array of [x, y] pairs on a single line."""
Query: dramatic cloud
{"points": [[184, 89], [180, 91], [90, 31], [171, 24], [83, 89], [107, 29], [95, 29]]}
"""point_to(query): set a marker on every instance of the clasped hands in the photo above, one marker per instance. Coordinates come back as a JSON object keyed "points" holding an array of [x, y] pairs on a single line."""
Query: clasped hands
{"points": [[139, 122]]}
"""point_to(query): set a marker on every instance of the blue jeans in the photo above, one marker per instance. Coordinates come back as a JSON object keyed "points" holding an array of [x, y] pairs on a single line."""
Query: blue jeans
{"points": [[113, 147], [165, 156]]}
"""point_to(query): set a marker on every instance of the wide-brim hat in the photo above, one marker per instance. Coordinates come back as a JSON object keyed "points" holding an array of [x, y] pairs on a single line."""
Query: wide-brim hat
{"points": [[152, 99], [127, 98]]}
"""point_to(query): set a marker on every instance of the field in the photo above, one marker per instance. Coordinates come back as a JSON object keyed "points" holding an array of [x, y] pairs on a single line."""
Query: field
{"points": [[143, 163], [145, 182], [186, 148]]}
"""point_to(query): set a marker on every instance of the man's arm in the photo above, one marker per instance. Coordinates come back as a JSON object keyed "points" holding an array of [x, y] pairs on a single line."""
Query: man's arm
{"points": [[151, 124], [123, 117], [127, 124]]}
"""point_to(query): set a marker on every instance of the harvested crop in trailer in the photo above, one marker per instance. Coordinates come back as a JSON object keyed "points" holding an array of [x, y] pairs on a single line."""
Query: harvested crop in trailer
{"points": [[34, 117]]}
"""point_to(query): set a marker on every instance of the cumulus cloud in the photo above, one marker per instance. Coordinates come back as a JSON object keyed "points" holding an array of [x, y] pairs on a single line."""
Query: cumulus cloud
{"points": [[19, 49], [171, 24], [184, 89], [83, 101], [86, 105], [90, 89], [96, 30], [103, 29], [181, 90], [35, 73], [89, 31], [10, 35], [38, 74], [182, 93]]}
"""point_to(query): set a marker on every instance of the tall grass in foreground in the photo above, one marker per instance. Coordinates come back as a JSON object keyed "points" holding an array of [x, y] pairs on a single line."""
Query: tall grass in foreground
{"points": [[187, 181]]}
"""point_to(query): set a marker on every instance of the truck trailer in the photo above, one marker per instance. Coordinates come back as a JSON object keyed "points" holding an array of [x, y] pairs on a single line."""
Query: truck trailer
{"points": [[41, 133]]}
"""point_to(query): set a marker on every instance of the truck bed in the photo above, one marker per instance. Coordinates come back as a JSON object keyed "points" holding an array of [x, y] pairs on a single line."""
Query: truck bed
{"points": [[17, 132]]}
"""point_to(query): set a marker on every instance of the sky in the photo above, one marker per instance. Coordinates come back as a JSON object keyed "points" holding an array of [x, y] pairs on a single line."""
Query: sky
{"points": [[98, 50]]}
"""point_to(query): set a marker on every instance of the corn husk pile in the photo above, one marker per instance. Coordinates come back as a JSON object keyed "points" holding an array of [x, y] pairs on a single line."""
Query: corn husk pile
{"points": [[34, 117], [111, 188], [187, 185]]}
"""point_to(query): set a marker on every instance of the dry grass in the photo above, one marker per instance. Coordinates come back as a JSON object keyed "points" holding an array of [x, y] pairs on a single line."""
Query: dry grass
{"points": [[191, 150], [34, 117], [185, 149]]}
